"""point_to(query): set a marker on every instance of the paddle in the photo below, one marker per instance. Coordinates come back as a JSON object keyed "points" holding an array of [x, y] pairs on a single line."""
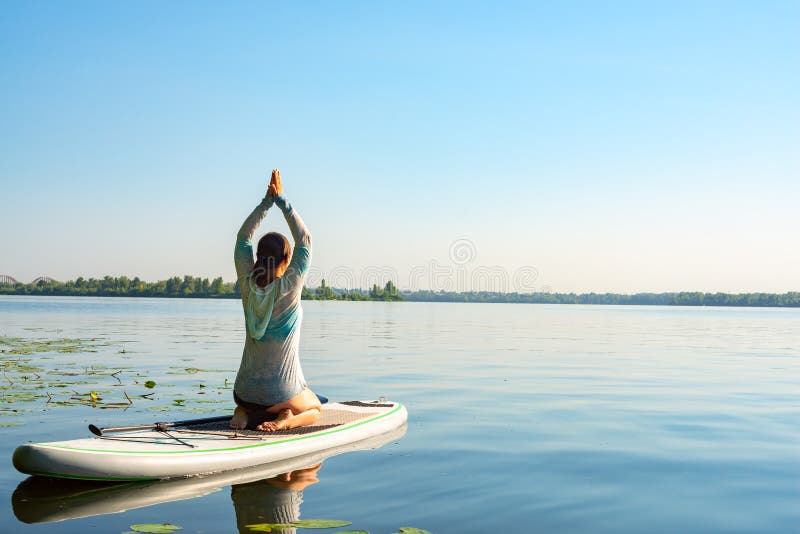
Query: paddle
{"points": [[157, 426], [97, 431]]}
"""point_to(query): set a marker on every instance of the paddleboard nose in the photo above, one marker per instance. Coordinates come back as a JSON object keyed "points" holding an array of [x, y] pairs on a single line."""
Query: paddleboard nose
{"points": [[23, 459]]}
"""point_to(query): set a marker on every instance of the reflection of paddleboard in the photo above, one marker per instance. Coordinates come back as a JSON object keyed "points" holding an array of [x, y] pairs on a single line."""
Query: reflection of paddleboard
{"points": [[194, 449], [46, 500]]}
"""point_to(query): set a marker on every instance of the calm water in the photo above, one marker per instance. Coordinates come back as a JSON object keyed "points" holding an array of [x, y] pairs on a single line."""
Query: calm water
{"points": [[522, 418]]}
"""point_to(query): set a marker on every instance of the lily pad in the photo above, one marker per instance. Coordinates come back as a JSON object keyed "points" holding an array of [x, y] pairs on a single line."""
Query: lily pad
{"points": [[320, 523], [150, 384], [268, 527], [15, 345], [412, 530], [155, 528]]}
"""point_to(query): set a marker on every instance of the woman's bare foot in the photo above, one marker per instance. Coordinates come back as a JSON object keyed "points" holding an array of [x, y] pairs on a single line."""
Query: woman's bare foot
{"points": [[279, 423], [287, 419], [239, 419]]}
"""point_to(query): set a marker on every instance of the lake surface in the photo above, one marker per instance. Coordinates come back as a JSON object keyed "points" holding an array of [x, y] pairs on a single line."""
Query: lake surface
{"points": [[522, 418]]}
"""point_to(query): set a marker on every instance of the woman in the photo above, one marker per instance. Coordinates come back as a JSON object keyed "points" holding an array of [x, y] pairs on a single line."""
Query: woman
{"points": [[270, 390]]}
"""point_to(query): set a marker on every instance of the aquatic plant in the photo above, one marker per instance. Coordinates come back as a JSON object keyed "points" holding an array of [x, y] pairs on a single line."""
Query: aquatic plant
{"points": [[320, 523], [34, 376], [155, 528], [301, 523]]}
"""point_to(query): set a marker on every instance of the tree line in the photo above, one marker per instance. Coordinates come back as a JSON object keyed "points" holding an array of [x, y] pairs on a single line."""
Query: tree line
{"points": [[196, 287], [122, 286], [177, 287], [683, 298], [325, 292]]}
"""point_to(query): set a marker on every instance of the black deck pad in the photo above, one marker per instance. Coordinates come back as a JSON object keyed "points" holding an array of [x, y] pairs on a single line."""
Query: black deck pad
{"points": [[362, 404], [329, 419]]}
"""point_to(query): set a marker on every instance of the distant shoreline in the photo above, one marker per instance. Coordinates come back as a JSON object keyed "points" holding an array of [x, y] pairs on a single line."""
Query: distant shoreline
{"points": [[191, 287]]}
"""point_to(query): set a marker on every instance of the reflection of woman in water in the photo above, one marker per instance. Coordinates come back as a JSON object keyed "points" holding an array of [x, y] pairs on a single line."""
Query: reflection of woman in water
{"points": [[274, 500], [270, 390]]}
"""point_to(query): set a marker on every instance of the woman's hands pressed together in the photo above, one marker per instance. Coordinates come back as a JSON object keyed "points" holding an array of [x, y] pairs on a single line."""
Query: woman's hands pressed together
{"points": [[275, 188]]}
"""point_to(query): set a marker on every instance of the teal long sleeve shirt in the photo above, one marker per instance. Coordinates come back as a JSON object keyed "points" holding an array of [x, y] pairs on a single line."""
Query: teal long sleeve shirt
{"points": [[270, 371]]}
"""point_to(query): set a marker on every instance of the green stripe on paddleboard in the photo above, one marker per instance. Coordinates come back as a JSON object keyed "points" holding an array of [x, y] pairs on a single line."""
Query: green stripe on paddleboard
{"points": [[289, 440]]}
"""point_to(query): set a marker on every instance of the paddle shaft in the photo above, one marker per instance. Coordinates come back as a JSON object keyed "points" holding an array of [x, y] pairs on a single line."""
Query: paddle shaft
{"points": [[97, 431]]}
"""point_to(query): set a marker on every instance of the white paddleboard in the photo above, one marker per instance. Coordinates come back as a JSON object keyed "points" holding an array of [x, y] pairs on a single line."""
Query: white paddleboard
{"points": [[192, 450], [44, 500]]}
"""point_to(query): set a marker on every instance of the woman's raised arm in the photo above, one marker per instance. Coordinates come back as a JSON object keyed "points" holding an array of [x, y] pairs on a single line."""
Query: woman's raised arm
{"points": [[300, 233], [301, 256], [243, 252]]}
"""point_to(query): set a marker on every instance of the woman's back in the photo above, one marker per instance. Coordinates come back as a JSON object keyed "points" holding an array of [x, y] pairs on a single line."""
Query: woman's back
{"points": [[270, 371]]}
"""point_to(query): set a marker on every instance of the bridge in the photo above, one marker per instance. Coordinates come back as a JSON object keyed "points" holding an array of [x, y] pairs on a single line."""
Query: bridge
{"points": [[43, 280], [8, 279]]}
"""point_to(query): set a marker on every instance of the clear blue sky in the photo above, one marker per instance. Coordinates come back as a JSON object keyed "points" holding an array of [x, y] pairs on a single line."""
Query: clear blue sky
{"points": [[612, 146]]}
